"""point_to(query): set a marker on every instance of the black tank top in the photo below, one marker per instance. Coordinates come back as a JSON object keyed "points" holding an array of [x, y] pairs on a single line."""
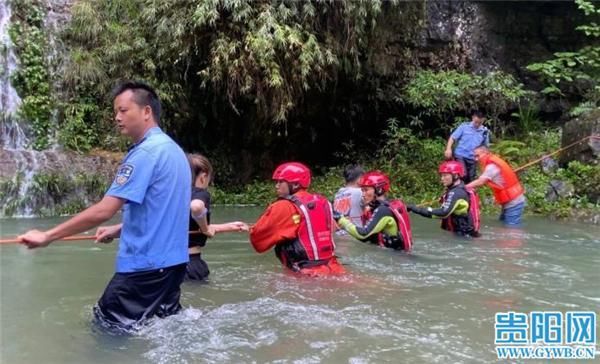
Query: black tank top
{"points": [[199, 239]]}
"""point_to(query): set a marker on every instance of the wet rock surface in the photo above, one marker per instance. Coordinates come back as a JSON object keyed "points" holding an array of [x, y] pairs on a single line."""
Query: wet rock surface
{"points": [[584, 126], [558, 189]]}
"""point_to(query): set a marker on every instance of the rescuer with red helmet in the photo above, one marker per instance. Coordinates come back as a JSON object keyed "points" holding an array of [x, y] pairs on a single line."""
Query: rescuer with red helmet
{"points": [[299, 225], [385, 223], [460, 206]]}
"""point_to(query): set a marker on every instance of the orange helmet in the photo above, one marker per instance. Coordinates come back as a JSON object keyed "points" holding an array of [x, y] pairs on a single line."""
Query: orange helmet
{"points": [[377, 180], [293, 172], [453, 167]]}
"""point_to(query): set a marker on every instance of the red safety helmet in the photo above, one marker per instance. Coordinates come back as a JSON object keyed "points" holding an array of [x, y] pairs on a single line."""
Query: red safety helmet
{"points": [[293, 172], [453, 167], [375, 179]]}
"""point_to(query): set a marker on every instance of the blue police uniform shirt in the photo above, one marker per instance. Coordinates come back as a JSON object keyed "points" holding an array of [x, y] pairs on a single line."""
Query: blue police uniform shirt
{"points": [[154, 179], [468, 138]]}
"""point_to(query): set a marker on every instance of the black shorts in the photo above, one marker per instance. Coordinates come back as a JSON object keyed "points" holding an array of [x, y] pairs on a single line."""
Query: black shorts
{"points": [[131, 298], [197, 269]]}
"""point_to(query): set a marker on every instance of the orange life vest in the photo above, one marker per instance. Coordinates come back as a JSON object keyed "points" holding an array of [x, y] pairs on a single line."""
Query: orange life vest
{"points": [[512, 188]]}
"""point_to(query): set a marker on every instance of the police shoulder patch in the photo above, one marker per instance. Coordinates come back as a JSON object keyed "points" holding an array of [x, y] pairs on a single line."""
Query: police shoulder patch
{"points": [[124, 174]]}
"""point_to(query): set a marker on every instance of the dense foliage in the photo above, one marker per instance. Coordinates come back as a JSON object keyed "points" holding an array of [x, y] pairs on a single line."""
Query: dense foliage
{"points": [[439, 95], [51, 194], [577, 71], [255, 59], [32, 80], [414, 177]]}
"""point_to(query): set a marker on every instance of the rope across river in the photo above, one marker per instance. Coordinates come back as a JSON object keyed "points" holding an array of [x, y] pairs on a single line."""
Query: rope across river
{"points": [[519, 169], [69, 238], [537, 160]]}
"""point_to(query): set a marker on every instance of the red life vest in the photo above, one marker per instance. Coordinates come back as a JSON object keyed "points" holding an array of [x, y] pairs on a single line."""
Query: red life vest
{"points": [[474, 212], [402, 220], [315, 232], [512, 188]]}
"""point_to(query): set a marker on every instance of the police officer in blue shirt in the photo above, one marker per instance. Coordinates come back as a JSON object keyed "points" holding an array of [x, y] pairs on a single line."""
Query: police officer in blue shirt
{"points": [[151, 187], [469, 135]]}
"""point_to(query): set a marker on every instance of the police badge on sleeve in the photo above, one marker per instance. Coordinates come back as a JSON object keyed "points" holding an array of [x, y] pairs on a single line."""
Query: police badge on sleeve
{"points": [[123, 174]]}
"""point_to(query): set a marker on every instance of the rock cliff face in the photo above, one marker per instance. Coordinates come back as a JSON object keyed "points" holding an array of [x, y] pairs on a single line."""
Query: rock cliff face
{"points": [[588, 150], [511, 35], [487, 35]]}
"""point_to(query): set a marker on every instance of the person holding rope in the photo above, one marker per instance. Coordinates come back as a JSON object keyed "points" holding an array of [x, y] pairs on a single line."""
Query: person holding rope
{"points": [[460, 206], [200, 227], [385, 223], [468, 136], [299, 225], [152, 255], [502, 179]]}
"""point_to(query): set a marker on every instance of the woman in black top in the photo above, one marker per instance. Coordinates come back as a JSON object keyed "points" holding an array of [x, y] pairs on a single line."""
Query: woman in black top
{"points": [[200, 226]]}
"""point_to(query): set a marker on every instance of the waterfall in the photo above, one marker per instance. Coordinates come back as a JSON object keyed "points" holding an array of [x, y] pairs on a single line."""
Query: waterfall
{"points": [[51, 181], [12, 134], [18, 163]]}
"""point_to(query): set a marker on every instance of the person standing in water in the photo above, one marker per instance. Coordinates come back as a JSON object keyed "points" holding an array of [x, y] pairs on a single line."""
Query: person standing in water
{"points": [[386, 223], [152, 256], [200, 227], [460, 207], [348, 199], [298, 225], [502, 179]]}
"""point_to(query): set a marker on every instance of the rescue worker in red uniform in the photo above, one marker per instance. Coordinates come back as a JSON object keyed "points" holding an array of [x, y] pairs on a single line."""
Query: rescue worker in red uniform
{"points": [[385, 223], [460, 206], [299, 225]]}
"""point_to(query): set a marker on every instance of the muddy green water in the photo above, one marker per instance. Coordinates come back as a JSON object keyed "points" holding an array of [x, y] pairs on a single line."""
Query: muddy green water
{"points": [[435, 305]]}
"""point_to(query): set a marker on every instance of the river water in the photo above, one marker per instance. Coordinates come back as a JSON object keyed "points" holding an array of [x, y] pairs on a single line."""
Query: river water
{"points": [[436, 305]]}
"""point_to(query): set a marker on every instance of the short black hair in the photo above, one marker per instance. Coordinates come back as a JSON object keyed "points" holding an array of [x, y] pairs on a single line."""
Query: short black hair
{"points": [[478, 113], [143, 95], [352, 172]]}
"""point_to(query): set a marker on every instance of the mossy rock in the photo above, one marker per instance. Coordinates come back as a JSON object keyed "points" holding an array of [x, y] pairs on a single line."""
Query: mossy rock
{"points": [[587, 151]]}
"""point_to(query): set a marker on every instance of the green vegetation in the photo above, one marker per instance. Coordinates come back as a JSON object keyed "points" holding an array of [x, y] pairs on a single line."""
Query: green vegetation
{"points": [[578, 70], [412, 163], [76, 131], [253, 57], [9, 188], [52, 194], [32, 79], [439, 95]]}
